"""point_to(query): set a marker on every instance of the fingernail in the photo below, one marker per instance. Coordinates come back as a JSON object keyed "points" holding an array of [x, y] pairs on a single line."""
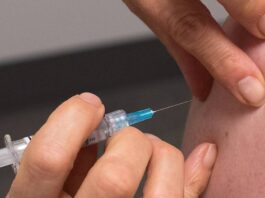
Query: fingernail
{"points": [[91, 99], [252, 90], [210, 156], [262, 24]]}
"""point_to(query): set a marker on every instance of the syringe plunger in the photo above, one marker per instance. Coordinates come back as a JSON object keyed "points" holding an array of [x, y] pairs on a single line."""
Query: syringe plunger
{"points": [[5, 158]]}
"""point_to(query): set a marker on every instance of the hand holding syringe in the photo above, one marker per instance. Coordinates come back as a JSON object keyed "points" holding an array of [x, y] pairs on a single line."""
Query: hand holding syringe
{"points": [[54, 165], [111, 124]]}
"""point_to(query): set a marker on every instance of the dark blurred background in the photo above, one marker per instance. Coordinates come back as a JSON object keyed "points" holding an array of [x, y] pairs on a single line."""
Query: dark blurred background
{"points": [[51, 50]]}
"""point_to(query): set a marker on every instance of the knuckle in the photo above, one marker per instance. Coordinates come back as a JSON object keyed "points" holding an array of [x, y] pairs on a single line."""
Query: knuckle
{"points": [[166, 149], [133, 133], [116, 178], [49, 162], [187, 29], [226, 65], [179, 154], [137, 136]]}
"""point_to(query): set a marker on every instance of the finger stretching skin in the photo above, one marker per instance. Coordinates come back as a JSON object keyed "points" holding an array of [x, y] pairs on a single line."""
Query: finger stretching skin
{"points": [[165, 176], [198, 168], [190, 25], [197, 77], [117, 174], [250, 14], [50, 156]]}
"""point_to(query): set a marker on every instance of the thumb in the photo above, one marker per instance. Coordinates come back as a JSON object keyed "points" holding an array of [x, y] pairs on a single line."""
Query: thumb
{"points": [[198, 169], [250, 14]]}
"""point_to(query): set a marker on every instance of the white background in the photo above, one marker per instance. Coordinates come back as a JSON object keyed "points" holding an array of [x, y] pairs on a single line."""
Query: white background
{"points": [[33, 27]]}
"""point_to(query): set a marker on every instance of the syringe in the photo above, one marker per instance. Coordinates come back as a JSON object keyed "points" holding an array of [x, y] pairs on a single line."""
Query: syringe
{"points": [[111, 124]]}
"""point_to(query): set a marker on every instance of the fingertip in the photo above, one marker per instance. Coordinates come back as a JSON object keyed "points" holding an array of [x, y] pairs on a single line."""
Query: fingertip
{"points": [[120, 169], [94, 101], [91, 99], [252, 91], [130, 135], [129, 131], [198, 169]]}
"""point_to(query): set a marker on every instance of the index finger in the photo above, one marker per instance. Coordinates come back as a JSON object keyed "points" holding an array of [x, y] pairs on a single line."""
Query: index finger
{"points": [[250, 14], [188, 24], [50, 156]]}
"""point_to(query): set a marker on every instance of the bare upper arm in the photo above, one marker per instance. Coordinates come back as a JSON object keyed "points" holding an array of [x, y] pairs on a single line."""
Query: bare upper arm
{"points": [[238, 131]]}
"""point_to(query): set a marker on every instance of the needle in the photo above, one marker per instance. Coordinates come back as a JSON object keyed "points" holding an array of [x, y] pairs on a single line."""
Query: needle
{"points": [[172, 106]]}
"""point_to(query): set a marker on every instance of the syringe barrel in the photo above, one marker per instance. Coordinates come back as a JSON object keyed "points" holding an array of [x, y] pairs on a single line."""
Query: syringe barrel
{"points": [[111, 123], [5, 157]]}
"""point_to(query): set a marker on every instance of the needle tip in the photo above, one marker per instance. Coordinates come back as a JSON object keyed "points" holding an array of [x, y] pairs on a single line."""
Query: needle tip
{"points": [[172, 106]]}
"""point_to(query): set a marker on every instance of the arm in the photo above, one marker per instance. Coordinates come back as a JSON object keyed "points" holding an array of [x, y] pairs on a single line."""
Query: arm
{"points": [[202, 50], [237, 130]]}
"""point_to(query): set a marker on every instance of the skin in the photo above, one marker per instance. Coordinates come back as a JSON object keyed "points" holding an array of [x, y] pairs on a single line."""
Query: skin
{"points": [[236, 129], [54, 166], [201, 48], [234, 58]]}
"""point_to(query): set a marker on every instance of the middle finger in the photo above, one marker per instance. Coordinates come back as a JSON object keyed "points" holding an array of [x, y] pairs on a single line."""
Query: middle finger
{"points": [[165, 176], [120, 170]]}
